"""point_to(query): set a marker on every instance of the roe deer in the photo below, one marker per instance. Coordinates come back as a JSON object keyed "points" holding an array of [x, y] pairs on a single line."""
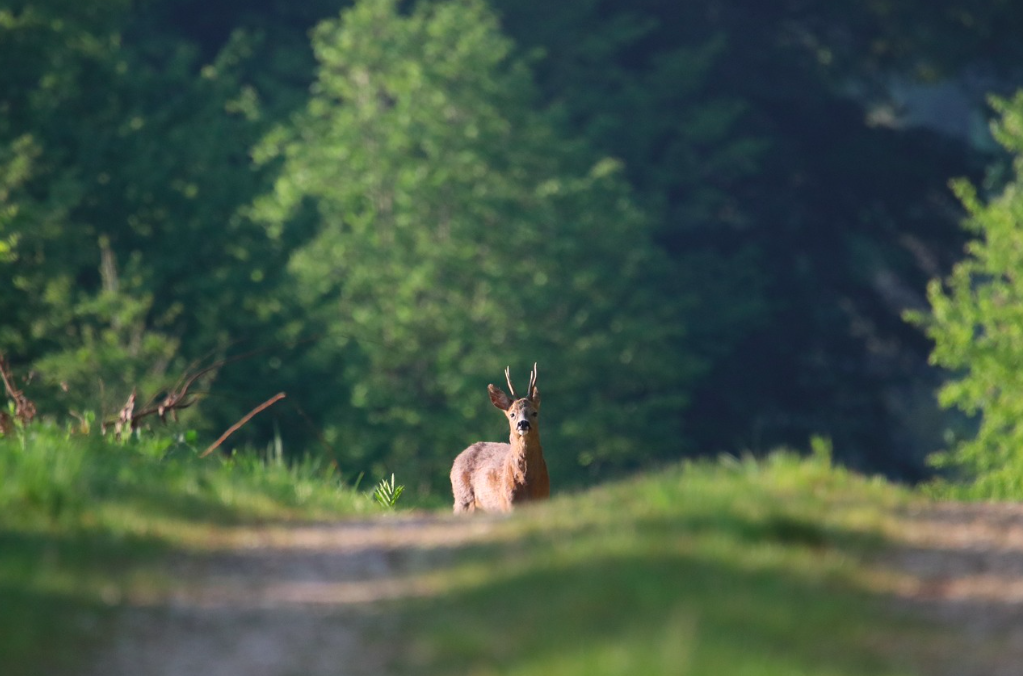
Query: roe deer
{"points": [[493, 476]]}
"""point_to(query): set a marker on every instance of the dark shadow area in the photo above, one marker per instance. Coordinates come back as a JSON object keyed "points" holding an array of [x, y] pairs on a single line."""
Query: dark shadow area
{"points": [[86, 551], [50, 633], [60, 592]]}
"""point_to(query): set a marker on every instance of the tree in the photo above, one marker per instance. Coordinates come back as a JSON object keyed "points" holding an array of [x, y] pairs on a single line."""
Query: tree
{"points": [[805, 229], [976, 323], [456, 231], [123, 163], [52, 104]]}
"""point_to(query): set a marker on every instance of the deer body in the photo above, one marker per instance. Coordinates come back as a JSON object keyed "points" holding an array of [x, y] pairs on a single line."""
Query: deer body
{"points": [[494, 476]]}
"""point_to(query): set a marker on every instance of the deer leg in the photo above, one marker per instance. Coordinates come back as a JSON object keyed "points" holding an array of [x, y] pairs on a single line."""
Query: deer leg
{"points": [[465, 498]]}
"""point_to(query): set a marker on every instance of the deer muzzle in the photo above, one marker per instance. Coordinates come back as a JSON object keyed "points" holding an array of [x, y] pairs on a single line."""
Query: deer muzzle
{"points": [[522, 426]]}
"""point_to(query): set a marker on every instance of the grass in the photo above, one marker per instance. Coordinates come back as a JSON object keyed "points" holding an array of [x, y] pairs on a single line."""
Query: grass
{"points": [[729, 569], [84, 520]]}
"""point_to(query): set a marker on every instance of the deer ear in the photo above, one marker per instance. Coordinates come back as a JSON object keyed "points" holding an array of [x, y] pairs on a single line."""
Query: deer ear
{"points": [[536, 397], [498, 397]]}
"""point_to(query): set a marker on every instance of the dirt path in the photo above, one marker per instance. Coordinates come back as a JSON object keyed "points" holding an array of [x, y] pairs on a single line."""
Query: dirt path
{"points": [[961, 565], [276, 601]]}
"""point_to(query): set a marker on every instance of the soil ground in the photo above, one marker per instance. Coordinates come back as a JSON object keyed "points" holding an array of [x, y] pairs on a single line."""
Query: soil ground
{"points": [[304, 600], [284, 600], [962, 568]]}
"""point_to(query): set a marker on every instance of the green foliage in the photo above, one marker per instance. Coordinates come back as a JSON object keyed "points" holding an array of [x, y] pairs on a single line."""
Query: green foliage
{"points": [[387, 494], [822, 449], [668, 574], [801, 228], [456, 232], [676, 209], [55, 477], [119, 227], [123, 161], [976, 323]]}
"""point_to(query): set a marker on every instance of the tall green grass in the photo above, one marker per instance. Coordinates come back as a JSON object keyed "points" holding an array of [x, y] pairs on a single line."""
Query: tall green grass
{"points": [[728, 568], [82, 517]]}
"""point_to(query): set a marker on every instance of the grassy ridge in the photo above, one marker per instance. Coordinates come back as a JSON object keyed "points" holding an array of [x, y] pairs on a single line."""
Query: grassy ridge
{"points": [[82, 518], [743, 568]]}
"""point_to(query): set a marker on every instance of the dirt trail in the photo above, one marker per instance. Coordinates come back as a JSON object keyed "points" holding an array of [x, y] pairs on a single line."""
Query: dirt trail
{"points": [[961, 565], [305, 600], [276, 601]]}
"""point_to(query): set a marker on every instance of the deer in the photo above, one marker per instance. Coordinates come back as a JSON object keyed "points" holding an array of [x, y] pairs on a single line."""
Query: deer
{"points": [[493, 476]]}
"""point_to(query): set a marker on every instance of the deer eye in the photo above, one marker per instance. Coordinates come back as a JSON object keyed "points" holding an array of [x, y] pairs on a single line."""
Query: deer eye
{"points": [[513, 415], [534, 414]]}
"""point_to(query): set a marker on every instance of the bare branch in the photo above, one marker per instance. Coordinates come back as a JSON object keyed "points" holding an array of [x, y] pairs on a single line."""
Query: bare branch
{"points": [[234, 428], [126, 419], [24, 409], [175, 400]]}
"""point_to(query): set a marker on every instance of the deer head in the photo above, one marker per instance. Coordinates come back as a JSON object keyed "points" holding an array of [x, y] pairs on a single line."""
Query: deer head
{"points": [[522, 413]]}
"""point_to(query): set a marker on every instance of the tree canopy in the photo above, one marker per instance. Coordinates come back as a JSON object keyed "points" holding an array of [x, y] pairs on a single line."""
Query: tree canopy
{"points": [[976, 322], [455, 232], [704, 220]]}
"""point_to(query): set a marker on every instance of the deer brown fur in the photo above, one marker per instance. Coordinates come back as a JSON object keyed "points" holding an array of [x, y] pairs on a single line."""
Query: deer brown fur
{"points": [[493, 476]]}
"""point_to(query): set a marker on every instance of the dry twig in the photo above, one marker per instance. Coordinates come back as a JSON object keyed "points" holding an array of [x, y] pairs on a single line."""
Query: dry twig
{"points": [[177, 397], [175, 400], [234, 428], [124, 418], [24, 409]]}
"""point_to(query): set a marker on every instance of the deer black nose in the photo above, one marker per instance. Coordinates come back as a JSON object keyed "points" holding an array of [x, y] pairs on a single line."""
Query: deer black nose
{"points": [[522, 425]]}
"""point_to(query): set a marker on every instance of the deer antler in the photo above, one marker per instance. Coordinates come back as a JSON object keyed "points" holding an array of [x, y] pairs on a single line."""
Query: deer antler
{"points": [[532, 382], [507, 376]]}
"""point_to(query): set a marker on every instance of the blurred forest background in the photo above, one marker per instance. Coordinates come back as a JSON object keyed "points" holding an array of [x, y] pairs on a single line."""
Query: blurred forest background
{"points": [[703, 219]]}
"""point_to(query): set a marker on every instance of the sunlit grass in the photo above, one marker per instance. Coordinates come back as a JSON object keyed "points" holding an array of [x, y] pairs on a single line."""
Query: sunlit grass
{"points": [[733, 567], [736, 566], [84, 522]]}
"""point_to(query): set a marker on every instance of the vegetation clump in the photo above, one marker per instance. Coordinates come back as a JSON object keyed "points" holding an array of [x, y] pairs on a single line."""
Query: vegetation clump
{"points": [[85, 520], [976, 323]]}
